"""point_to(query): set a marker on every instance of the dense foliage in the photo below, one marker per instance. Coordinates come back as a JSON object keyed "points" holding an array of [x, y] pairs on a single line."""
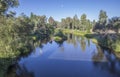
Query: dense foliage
{"points": [[82, 24], [107, 25], [108, 31]]}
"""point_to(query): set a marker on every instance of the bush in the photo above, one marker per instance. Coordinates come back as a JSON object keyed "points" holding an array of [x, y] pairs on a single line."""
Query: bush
{"points": [[57, 38], [60, 34], [89, 35], [94, 41]]}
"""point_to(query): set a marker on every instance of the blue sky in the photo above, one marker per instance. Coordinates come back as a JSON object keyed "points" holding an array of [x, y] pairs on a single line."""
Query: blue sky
{"points": [[63, 8]]}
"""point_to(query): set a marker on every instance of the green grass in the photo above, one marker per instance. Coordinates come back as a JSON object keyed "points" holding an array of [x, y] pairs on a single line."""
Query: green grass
{"points": [[57, 38], [76, 32], [94, 40]]}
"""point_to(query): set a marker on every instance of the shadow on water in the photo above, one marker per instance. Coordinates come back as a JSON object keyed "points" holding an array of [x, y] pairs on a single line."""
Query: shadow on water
{"points": [[75, 57], [9, 69], [4, 63]]}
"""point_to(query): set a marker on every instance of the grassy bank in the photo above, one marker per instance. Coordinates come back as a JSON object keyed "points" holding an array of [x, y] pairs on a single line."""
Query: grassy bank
{"points": [[76, 32], [81, 33], [108, 41]]}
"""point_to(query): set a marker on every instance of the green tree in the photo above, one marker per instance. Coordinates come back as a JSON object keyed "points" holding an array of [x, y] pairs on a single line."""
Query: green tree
{"points": [[102, 17], [6, 4], [93, 23], [114, 24], [75, 22], [83, 21], [88, 25], [102, 20], [101, 25], [52, 21], [69, 22]]}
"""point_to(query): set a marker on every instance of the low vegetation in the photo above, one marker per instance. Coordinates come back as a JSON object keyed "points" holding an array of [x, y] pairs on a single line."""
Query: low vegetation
{"points": [[76, 32], [57, 38], [94, 41], [59, 35]]}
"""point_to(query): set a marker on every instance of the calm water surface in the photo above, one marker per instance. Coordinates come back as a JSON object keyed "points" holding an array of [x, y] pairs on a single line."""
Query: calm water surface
{"points": [[75, 57]]}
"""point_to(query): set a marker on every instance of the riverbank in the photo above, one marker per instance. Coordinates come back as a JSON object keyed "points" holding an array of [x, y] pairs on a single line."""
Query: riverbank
{"points": [[76, 32], [110, 41]]}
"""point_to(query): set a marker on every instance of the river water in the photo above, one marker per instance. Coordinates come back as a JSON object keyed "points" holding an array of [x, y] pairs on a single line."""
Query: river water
{"points": [[75, 57]]}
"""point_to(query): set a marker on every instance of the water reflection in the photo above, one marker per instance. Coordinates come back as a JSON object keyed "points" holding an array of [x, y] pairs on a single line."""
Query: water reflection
{"points": [[75, 57], [88, 42], [74, 40], [78, 48], [98, 55], [83, 43], [112, 65], [23, 72]]}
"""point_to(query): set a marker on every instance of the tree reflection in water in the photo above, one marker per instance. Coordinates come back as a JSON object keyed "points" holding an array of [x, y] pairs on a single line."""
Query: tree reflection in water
{"points": [[23, 72], [83, 43], [98, 56], [112, 64]]}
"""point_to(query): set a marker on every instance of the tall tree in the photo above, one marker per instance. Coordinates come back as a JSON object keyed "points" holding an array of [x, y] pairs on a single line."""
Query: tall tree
{"points": [[102, 17], [75, 22], [88, 25], [100, 26], [69, 22], [52, 21], [93, 23], [83, 21], [63, 23]]}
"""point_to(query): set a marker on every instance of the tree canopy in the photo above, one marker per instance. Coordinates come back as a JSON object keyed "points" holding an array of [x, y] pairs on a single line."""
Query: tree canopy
{"points": [[6, 4]]}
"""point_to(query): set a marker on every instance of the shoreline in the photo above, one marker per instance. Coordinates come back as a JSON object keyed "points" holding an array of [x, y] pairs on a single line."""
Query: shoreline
{"points": [[94, 37]]}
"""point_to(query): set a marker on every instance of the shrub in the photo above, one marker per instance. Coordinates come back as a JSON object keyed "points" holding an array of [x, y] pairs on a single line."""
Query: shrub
{"points": [[60, 34], [57, 38]]}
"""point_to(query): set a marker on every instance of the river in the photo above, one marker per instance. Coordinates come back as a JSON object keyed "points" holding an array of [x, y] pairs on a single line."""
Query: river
{"points": [[75, 57]]}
